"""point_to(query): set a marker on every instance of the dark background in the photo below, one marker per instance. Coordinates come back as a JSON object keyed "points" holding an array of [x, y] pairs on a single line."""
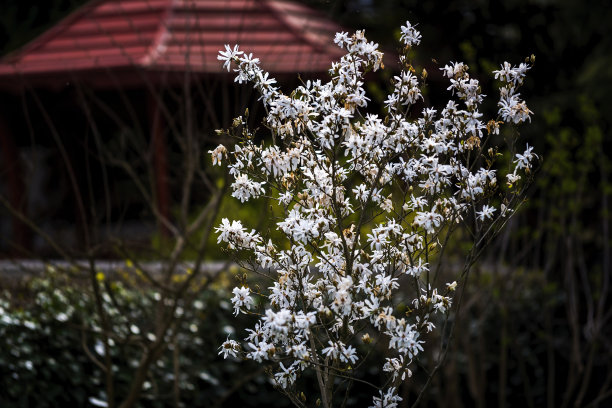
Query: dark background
{"points": [[542, 337]]}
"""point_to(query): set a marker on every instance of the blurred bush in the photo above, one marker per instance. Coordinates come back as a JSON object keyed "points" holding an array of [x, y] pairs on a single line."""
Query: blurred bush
{"points": [[50, 347]]}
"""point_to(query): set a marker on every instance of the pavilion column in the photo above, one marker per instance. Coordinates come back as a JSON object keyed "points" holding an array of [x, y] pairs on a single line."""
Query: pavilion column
{"points": [[159, 152], [13, 172]]}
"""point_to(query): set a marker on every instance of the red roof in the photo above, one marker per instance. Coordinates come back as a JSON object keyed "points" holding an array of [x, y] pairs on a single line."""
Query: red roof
{"points": [[177, 36]]}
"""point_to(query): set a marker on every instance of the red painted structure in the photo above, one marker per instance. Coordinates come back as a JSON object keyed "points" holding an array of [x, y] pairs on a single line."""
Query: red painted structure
{"points": [[154, 45], [165, 36]]}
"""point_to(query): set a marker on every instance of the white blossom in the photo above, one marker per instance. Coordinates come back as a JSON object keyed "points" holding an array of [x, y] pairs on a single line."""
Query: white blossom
{"points": [[217, 154], [286, 376], [523, 161], [486, 212], [410, 36], [228, 55], [365, 203], [229, 348], [245, 188], [389, 399], [241, 299]]}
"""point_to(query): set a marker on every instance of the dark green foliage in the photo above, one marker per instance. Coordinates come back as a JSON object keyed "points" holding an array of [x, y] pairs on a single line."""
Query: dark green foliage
{"points": [[45, 328]]}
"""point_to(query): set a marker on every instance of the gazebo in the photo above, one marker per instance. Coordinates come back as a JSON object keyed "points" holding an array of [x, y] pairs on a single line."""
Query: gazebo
{"points": [[162, 36], [144, 47]]}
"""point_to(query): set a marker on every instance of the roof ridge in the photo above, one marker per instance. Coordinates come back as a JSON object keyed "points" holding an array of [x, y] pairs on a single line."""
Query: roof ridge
{"points": [[281, 15], [159, 43]]}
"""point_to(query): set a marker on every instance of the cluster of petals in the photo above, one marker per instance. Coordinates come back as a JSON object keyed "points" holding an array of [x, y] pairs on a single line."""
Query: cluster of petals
{"points": [[512, 108]]}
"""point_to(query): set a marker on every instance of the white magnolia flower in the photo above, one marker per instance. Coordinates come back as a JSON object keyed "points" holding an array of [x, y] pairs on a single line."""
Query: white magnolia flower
{"points": [[229, 348], [228, 56], [218, 154], [365, 204], [245, 188], [410, 36], [286, 376], [429, 221], [332, 351], [486, 212], [389, 399], [523, 161], [241, 299], [261, 350]]}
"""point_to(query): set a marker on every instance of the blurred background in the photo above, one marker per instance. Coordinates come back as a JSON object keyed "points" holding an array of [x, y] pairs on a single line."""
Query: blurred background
{"points": [[536, 330]]}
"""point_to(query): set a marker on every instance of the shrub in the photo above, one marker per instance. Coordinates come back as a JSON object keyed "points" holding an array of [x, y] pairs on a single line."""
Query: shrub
{"points": [[368, 205]]}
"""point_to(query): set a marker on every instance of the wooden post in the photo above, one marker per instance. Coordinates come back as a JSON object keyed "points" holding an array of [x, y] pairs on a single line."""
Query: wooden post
{"points": [[12, 169], [160, 162]]}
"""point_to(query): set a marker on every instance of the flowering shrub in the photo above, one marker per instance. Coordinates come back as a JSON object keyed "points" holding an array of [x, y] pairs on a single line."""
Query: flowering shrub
{"points": [[368, 205]]}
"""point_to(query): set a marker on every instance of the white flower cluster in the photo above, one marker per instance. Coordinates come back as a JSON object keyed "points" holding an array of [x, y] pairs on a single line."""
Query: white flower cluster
{"points": [[365, 202], [511, 107]]}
